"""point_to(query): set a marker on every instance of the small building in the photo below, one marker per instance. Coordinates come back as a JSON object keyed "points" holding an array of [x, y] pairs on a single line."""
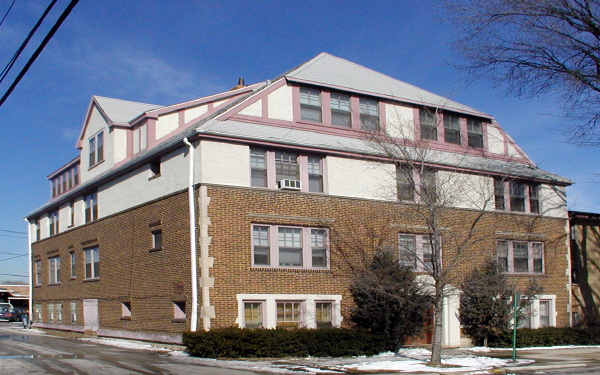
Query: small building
{"points": [[16, 295]]}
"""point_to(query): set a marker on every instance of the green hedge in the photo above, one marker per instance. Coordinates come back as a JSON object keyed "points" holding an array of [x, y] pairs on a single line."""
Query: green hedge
{"points": [[248, 343], [547, 337]]}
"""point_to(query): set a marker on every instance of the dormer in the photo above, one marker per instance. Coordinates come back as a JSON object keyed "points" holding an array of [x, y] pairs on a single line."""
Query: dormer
{"points": [[64, 179]]}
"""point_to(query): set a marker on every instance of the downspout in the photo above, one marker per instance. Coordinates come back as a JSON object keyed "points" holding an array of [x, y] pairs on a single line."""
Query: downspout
{"points": [[29, 271], [193, 260]]}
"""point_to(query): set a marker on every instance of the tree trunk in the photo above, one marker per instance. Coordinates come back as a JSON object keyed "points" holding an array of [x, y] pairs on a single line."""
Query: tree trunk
{"points": [[436, 343]]}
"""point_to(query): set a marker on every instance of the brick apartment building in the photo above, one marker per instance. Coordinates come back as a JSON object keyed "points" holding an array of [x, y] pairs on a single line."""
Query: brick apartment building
{"points": [[279, 169]]}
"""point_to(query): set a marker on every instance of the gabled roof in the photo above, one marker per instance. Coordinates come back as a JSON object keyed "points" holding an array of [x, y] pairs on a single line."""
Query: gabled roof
{"points": [[122, 111], [335, 72]]}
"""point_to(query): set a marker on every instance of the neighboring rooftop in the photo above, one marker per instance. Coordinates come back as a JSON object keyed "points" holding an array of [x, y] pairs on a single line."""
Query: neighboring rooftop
{"points": [[122, 111]]}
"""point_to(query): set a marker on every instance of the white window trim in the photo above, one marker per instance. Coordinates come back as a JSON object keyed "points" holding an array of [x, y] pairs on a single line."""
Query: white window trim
{"points": [[420, 239], [307, 305], [93, 268], [530, 264], [54, 274], [95, 138], [535, 310], [274, 247]]}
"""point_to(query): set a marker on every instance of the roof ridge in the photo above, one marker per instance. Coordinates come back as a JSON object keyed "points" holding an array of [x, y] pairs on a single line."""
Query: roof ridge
{"points": [[125, 100]]}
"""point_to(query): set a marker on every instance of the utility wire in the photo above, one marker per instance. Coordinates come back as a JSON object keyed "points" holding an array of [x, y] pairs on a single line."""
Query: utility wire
{"points": [[11, 253], [12, 274], [14, 58], [37, 52], [8, 11], [15, 257], [12, 231]]}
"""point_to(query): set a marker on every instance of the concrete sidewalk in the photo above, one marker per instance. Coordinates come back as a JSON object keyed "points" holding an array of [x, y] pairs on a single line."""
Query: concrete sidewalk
{"points": [[551, 359]]}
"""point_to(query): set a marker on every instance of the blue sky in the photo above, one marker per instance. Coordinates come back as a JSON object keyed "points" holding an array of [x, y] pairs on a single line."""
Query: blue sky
{"points": [[165, 52]]}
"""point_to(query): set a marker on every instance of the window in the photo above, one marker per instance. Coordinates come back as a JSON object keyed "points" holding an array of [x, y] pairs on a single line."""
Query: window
{"points": [[323, 314], [475, 133], [38, 312], [71, 213], [285, 246], [288, 314], [405, 183], [155, 168], [38, 272], [260, 243], [369, 114], [53, 223], [310, 104], [428, 189], [517, 196], [54, 270], [499, 193], [258, 167], [340, 110], [157, 239], [73, 269], [96, 145], [63, 177], [538, 312], [75, 175], [53, 183], [179, 310], [59, 311], [415, 252], [451, 129], [315, 174], [91, 207], [286, 166], [520, 256], [428, 124], [253, 316], [69, 176], [38, 234], [545, 311], [125, 310], [92, 263], [290, 247], [73, 312], [534, 202], [51, 315]]}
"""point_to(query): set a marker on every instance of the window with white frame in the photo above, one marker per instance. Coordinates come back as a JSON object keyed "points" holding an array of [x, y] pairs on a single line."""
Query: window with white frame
{"points": [[369, 114], [341, 114], [38, 312], [54, 270], [53, 223], [71, 213], [38, 272], [73, 269], [323, 314], [310, 104], [451, 128], [59, 312], [288, 314], [91, 207], [253, 314], [73, 312], [96, 149], [38, 230], [475, 133], [428, 124], [522, 196], [268, 168], [415, 251], [520, 256], [538, 312], [92, 262], [157, 239], [51, 315], [289, 246]]}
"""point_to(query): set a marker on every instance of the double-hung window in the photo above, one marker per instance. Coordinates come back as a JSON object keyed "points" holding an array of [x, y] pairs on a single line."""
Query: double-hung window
{"points": [[53, 223], [96, 149], [405, 183], [369, 114], [520, 256], [451, 128], [73, 312], [475, 133], [91, 207], [428, 124], [534, 201], [323, 314], [258, 167], [499, 193], [315, 174], [340, 110], [38, 272], [517, 196], [288, 314], [301, 172], [415, 252], [253, 314], [71, 213], [73, 269], [286, 166], [310, 104], [54, 270], [288, 246], [92, 262]]}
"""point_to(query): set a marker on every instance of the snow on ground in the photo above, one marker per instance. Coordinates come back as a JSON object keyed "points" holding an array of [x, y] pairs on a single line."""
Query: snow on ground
{"points": [[483, 349], [126, 344]]}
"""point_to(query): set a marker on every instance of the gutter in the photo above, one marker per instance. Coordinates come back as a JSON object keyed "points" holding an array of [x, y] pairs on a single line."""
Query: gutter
{"points": [[193, 258]]}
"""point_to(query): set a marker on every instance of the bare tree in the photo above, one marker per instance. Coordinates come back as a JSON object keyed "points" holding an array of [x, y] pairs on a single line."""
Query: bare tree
{"points": [[535, 47]]}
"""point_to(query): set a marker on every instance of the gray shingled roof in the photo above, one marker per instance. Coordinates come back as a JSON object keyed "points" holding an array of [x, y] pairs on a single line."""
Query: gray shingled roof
{"points": [[120, 110], [298, 137], [329, 70]]}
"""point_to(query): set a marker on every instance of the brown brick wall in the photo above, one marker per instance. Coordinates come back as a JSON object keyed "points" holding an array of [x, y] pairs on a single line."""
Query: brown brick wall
{"points": [[152, 280]]}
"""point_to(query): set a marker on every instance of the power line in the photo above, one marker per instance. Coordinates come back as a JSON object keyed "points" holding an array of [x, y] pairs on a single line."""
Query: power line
{"points": [[13, 275], [8, 11], [12, 231], [11, 253], [15, 257], [33, 57], [20, 236], [16, 55]]}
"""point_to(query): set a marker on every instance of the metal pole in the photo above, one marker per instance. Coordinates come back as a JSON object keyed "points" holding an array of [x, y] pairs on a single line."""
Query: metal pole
{"points": [[515, 322]]}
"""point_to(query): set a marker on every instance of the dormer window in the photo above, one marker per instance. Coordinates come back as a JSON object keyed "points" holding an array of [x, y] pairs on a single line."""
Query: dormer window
{"points": [[310, 104], [475, 133], [96, 144], [451, 129], [340, 110], [369, 114]]}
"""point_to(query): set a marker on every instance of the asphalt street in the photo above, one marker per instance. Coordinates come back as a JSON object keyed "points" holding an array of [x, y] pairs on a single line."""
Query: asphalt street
{"points": [[21, 353]]}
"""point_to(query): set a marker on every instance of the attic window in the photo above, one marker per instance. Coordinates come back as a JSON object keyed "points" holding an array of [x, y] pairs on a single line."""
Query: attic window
{"points": [[310, 104], [96, 149]]}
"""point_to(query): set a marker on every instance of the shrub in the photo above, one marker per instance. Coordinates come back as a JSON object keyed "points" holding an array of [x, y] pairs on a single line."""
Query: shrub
{"points": [[252, 343], [546, 337]]}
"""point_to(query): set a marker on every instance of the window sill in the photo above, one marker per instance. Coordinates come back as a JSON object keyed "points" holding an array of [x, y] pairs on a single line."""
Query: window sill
{"points": [[95, 165], [178, 321], [288, 269], [91, 280], [155, 250]]}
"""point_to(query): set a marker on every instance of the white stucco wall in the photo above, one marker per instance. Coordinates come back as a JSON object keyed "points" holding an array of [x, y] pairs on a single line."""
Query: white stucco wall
{"points": [[135, 188], [495, 140], [361, 179], [512, 150], [553, 201], [464, 190], [218, 103], [95, 124], [280, 104], [254, 109], [399, 121], [166, 124], [194, 112], [119, 140], [224, 163]]}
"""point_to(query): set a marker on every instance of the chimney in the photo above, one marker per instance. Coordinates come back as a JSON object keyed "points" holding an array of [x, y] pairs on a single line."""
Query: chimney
{"points": [[239, 85]]}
